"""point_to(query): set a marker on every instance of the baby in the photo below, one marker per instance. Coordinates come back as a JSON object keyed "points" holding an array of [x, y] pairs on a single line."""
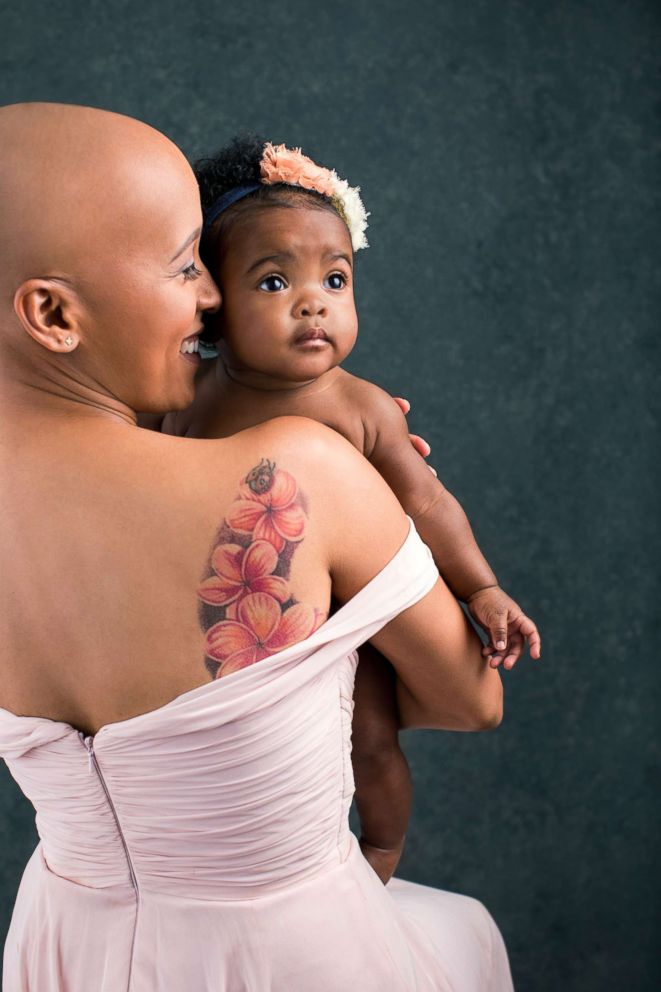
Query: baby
{"points": [[279, 238]]}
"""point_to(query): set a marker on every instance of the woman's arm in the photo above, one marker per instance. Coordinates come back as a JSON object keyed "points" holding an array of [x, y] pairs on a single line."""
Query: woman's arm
{"points": [[445, 682]]}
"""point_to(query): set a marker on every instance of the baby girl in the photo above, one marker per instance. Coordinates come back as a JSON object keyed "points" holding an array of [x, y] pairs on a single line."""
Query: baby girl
{"points": [[279, 238]]}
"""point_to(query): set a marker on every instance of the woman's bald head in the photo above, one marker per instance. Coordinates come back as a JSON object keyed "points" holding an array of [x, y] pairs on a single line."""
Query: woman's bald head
{"points": [[94, 206], [68, 173]]}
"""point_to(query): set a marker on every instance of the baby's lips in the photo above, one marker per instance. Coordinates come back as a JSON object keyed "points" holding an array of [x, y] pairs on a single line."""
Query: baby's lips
{"points": [[313, 334]]}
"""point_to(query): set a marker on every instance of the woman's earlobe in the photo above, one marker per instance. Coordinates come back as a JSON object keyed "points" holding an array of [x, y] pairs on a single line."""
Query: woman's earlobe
{"points": [[45, 308]]}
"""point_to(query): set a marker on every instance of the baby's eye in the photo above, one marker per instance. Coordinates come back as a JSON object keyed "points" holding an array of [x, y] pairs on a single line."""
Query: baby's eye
{"points": [[336, 280], [272, 284], [191, 272]]}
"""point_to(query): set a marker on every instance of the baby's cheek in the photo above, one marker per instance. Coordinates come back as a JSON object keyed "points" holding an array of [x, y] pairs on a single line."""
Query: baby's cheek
{"points": [[350, 332], [352, 318]]}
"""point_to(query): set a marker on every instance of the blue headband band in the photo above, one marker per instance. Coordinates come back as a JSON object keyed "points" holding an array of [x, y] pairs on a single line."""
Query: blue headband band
{"points": [[227, 200]]}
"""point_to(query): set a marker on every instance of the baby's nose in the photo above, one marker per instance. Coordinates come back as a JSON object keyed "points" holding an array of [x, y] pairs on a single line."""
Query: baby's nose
{"points": [[313, 308]]}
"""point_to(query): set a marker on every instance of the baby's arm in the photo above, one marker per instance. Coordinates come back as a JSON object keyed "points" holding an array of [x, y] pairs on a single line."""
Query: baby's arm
{"points": [[444, 527]]}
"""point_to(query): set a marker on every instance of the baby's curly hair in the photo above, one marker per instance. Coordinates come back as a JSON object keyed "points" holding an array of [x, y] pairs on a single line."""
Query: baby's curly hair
{"points": [[238, 164]]}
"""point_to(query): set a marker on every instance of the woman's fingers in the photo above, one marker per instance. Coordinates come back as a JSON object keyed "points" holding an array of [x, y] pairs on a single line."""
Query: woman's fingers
{"points": [[403, 404], [420, 445]]}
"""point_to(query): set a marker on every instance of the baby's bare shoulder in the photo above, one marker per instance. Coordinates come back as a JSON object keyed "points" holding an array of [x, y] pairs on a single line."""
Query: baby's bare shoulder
{"points": [[366, 395], [378, 410]]}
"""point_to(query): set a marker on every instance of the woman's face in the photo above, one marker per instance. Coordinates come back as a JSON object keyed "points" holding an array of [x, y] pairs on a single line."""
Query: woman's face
{"points": [[146, 297], [286, 275]]}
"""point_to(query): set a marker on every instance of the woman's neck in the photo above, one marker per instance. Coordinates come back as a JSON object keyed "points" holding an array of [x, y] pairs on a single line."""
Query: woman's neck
{"points": [[48, 387]]}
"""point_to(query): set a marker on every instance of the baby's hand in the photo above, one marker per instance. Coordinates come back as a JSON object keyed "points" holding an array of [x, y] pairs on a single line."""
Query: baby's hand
{"points": [[419, 443], [505, 624]]}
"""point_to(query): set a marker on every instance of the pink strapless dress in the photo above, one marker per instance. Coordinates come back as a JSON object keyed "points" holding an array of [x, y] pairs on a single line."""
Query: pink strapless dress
{"points": [[205, 847]]}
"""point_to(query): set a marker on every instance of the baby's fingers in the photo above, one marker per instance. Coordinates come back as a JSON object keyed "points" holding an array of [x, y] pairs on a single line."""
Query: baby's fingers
{"points": [[498, 629], [515, 650], [530, 632]]}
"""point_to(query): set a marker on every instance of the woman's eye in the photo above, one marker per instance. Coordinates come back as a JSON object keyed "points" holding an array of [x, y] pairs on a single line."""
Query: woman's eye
{"points": [[336, 280], [272, 284], [191, 272]]}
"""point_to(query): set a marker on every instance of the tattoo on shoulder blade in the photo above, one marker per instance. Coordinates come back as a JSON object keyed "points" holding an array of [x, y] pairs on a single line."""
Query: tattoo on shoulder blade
{"points": [[247, 609]]}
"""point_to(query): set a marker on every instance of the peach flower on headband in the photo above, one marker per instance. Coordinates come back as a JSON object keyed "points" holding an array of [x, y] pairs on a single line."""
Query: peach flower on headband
{"points": [[289, 165]]}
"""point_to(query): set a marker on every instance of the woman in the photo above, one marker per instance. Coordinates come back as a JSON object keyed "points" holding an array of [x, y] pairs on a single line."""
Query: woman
{"points": [[193, 831]]}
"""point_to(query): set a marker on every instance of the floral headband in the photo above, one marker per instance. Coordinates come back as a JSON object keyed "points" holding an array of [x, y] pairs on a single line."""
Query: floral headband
{"points": [[288, 165]]}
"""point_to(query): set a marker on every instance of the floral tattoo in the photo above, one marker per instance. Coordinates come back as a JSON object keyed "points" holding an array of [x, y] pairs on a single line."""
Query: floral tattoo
{"points": [[246, 606]]}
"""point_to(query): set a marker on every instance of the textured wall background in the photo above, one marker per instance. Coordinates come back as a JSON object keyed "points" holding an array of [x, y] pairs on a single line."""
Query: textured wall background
{"points": [[509, 153]]}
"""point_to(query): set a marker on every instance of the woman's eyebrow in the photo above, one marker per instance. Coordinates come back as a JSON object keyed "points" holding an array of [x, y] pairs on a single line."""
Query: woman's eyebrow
{"points": [[277, 257], [189, 241]]}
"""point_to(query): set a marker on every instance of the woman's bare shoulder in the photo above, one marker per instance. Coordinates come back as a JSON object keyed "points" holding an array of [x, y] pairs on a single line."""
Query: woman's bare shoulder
{"points": [[355, 522]]}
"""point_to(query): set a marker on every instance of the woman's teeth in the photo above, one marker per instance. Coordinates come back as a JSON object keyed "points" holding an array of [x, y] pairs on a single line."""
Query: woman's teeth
{"points": [[190, 346]]}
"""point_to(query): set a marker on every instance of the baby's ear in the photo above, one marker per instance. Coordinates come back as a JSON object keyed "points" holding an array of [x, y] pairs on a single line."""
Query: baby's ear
{"points": [[50, 311]]}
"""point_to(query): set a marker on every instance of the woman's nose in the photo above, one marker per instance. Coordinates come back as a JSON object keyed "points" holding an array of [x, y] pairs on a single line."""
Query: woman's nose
{"points": [[209, 298]]}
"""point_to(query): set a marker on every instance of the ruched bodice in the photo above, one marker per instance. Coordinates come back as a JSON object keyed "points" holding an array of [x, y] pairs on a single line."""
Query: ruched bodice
{"points": [[205, 845], [179, 801]]}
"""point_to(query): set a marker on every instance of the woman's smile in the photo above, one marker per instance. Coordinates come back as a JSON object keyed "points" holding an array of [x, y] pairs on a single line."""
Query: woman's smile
{"points": [[190, 348]]}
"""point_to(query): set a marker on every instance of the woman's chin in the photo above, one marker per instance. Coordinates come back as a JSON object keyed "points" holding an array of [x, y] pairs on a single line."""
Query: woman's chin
{"points": [[170, 402]]}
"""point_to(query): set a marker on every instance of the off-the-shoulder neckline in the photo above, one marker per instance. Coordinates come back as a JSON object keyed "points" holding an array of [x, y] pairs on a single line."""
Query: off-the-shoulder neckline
{"points": [[264, 664]]}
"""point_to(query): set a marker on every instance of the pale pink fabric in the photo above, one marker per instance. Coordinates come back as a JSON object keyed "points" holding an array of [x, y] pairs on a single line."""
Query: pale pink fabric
{"points": [[205, 847]]}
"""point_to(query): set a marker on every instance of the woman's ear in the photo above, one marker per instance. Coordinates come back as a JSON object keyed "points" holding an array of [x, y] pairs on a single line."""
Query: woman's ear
{"points": [[49, 311]]}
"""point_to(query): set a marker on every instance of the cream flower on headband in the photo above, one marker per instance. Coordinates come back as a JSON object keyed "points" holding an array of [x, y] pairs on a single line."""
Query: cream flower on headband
{"points": [[289, 165]]}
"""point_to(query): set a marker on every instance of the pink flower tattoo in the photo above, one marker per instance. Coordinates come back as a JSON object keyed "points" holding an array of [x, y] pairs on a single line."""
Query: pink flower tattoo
{"points": [[273, 515], [240, 571], [247, 609], [261, 629]]}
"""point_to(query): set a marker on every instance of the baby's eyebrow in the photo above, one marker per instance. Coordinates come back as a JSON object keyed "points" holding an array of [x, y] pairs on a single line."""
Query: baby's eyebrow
{"points": [[334, 255], [277, 257]]}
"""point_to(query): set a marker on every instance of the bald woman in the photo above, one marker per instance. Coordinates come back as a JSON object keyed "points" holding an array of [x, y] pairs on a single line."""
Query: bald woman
{"points": [[174, 696]]}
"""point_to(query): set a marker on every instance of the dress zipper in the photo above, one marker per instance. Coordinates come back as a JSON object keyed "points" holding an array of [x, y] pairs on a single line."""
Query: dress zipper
{"points": [[93, 763]]}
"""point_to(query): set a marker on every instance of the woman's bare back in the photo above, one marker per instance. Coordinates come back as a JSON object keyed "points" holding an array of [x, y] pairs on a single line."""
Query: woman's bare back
{"points": [[106, 535]]}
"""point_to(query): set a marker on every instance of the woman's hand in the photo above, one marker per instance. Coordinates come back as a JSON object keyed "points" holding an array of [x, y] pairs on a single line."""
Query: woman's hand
{"points": [[419, 443]]}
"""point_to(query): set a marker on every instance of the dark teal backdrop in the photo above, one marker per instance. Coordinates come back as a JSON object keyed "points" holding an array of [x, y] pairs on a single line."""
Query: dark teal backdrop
{"points": [[509, 153]]}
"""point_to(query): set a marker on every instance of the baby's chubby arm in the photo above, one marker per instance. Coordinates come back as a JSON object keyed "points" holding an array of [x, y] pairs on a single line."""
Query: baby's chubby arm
{"points": [[438, 517], [443, 525]]}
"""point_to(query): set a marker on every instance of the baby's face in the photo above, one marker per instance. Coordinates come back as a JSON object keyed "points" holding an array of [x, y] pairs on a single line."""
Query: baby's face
{"points": [[288, 311]]}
